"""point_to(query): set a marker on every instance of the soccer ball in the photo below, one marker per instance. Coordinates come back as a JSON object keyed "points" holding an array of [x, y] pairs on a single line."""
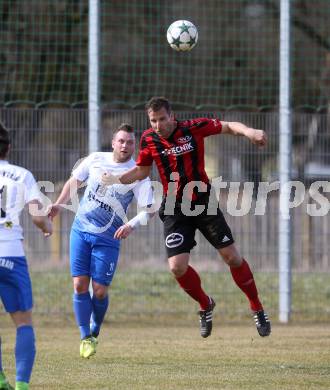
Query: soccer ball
{"points": [[182, 35]]}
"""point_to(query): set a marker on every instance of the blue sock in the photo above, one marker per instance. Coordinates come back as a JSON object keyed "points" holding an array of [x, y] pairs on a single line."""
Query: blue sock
{"points": [[25, 352], [100, 307], [1, 369], [82, 307]]}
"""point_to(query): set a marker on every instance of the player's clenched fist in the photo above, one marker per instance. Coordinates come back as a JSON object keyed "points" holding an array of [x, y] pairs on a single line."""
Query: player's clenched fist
{"points": [[259, 138]]}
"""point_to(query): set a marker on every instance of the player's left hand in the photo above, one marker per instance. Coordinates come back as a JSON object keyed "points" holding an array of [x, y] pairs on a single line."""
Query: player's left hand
{"points": [[258, 137], [123, 232], [107, 179]]}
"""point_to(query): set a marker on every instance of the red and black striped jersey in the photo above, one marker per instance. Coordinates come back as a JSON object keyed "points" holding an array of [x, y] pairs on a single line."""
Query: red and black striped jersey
{"points": [[180, 157]]}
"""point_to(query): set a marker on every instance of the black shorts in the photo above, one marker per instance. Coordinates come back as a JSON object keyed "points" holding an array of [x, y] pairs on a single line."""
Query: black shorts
{"points": [[179, 230]]}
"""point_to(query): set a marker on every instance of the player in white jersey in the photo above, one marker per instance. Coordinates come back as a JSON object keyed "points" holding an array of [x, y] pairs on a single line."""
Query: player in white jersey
{"points": [[17, 189], [99, 225]]}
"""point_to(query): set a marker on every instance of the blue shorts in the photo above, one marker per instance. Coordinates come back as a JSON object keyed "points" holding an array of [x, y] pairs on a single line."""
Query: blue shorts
{"points": [[15, 284], [93, 256]]}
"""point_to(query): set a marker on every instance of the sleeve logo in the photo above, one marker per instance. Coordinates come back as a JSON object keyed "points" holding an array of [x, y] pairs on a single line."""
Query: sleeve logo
{"points": [[183, 140]]}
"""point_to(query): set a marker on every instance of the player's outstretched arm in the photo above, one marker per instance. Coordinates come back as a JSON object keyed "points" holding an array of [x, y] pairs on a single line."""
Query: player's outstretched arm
{"points": [[256, 136], [130, 176], [69, 189]]}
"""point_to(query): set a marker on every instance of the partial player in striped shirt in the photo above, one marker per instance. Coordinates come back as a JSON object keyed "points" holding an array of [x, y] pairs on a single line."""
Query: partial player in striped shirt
{"points": [[177, 148]]}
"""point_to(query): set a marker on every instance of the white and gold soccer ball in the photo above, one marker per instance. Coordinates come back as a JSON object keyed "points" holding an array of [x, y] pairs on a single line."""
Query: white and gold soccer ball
{"points": [[182, 35]]}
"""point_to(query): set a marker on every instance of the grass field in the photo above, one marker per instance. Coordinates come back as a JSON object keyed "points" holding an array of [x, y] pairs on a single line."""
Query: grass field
{"points": [[151, 338], [136, 357], [136, 292]]}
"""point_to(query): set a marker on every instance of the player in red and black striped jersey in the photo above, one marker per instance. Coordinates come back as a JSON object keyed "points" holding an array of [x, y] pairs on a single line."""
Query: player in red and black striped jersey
{"points": [[182, 152], [177, 147]]}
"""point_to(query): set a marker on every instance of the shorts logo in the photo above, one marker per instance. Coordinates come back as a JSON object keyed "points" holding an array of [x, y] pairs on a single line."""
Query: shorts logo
{"points": [[5, 263], [173, 240], [111, 269]]}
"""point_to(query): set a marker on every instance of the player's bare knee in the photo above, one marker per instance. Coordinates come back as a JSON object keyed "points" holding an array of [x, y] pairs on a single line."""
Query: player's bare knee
{"points": [[80, 285], [100, 292], [234, 261], [231, 258], [178, 269], [22, 318], [80, 289], [179, 264]]}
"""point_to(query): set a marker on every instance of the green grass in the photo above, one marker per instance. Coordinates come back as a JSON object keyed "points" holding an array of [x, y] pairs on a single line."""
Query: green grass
{"points": [[136, 294], [174, 358]]}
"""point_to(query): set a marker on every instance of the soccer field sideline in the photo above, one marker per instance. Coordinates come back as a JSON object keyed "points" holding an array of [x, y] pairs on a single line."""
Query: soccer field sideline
{"points": [[146, 357]]}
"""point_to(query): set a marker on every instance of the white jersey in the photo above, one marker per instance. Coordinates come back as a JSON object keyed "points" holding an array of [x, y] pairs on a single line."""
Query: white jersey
{"points": [[17, 188], [102, 210]]}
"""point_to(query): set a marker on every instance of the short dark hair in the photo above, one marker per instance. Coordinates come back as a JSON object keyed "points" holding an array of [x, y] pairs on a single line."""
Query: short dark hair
{"points": [[4, 141], [156, 103], [123, 127]]}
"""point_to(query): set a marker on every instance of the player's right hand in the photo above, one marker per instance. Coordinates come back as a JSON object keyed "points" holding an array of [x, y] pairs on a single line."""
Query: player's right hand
{"points": [[259, 138], [123, 231], [53, 210], [48, 230]]}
